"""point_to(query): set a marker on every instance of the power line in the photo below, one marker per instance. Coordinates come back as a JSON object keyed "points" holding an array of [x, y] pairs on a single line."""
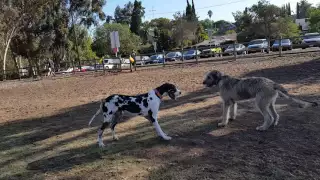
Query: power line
{"points": [[206, 7]]}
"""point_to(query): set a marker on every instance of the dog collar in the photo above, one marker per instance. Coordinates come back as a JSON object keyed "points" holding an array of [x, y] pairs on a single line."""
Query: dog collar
{"points": [[158, 94]]}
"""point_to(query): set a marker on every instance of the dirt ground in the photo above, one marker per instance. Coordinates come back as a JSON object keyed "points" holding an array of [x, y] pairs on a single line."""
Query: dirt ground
{"points": [[44, 131]]}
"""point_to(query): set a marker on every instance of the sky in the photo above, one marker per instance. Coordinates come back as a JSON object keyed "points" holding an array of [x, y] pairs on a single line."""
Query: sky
{"points": [[222, 10]]}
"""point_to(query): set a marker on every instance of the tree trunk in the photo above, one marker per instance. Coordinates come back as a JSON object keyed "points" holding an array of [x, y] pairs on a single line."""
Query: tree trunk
{"points": [[17, 66], [30, 69], [5, 59]]}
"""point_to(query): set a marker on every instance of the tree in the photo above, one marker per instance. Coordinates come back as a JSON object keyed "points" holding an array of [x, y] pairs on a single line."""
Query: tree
{"points": [[109, 19], [189, 13], [123, 15], [243, 20], [194, 15], [128, 41], [285, 27], [265, 14], [84, 43], [210, 14], [183, 30], [304, 6], [137, 14], [163, 33], [298, 11], [18, 14], [314, 19], [206, 23]]}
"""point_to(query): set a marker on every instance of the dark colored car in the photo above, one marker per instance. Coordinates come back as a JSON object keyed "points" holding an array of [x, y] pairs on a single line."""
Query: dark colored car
{"points": [[173, 56], [286, 44]]}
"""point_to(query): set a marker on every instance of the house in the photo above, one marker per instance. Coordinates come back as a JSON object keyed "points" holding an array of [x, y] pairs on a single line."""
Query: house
{"points": [[303, 24]]}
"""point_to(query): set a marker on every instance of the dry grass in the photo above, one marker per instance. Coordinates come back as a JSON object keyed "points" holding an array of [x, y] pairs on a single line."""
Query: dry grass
{"points": [[44, 132]]}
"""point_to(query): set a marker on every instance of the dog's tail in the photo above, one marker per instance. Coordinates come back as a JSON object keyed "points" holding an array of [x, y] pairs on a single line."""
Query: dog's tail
{"points": [[284, 93], [98, 112]]}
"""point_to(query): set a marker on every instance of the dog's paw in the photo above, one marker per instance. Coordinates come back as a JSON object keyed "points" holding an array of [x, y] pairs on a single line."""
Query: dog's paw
{"points": [[101, 145], [167, 138], [115, 138], [261, 128], [221, 124]]}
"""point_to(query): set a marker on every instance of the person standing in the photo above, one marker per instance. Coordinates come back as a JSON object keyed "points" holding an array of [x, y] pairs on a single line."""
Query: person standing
{"points": [[51, 68], [133, 61]]}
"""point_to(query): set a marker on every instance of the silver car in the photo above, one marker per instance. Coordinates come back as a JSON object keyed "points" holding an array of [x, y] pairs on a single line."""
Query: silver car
{"points": [[240, 49], [310, 40]]}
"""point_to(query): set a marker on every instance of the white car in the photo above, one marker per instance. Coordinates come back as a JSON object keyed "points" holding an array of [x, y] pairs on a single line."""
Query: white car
{"points": [[141, 60], [111, 63]]}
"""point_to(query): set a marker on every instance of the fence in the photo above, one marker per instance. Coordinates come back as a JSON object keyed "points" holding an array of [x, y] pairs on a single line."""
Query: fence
{"points": [[193, 54]]}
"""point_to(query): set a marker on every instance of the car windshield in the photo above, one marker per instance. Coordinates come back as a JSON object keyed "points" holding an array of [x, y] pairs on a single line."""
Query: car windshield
{"points": [[189, 52], [255, 42], [154, 57], [171, 54], [105, 61], [282, 41], [311, 36], [231, 46]]}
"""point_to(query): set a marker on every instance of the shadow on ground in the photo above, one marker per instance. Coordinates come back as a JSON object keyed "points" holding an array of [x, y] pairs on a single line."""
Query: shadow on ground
{"points": [[302, 73], [198, 150]]}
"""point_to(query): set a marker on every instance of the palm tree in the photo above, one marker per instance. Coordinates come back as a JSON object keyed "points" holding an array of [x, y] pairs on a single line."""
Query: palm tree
{"points": [[210, 14]]}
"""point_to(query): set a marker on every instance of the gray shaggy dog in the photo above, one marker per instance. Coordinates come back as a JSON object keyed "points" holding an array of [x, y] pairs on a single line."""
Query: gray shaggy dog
{"points": [[263, 90]]}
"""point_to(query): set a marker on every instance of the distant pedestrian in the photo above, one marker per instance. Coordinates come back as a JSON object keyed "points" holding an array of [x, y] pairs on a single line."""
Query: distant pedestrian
{"points": [[51, 68], [133, 59]]}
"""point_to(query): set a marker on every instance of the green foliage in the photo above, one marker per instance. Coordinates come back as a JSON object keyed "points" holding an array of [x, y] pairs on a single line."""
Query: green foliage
{"points": [[123, 15], [314, 19], [137, 14], [207, 23], [128, 40], [80, 42], [265, 20], [302, 9], [285, 27], [190, 12], [230, 32], [210, 13]]}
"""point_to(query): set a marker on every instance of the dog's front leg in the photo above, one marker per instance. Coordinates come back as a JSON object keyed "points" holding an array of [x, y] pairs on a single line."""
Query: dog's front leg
{"points": [[225, 115], [159, 130]]}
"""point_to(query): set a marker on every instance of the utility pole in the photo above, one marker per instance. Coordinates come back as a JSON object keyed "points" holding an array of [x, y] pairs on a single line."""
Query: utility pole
{"points": [[152, 10]]}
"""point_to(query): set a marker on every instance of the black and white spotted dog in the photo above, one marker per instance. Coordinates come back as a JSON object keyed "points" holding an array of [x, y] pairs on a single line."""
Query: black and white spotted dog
{"points": [[146, 105]]}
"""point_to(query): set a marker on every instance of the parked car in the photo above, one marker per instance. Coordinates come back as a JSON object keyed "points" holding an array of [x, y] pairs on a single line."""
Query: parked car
{"points": [[173, 56], [88, 68], [215, 51], [191, 54], [258, 45], [239, 48], [111, 63], [141, 60], [157, 58], [286, 44], [310, 40]]}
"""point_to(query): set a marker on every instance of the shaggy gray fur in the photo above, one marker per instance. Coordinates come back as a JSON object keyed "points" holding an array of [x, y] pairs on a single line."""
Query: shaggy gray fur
{"points": [[264, 90]]}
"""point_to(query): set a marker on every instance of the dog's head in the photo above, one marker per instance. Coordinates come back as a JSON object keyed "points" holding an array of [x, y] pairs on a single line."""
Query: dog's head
{"points": [[212, 78], [169, 89]]}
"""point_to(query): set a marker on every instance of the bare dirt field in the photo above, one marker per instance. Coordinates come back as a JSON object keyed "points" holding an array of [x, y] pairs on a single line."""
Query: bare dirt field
{"points": [[44, 131]]}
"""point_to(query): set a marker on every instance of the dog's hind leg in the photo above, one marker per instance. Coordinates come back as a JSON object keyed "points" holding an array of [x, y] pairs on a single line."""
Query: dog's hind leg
{"points": [[100, 132], [116, 119], [274, 112], [233, 111], [263, 104], [225, 115]]}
